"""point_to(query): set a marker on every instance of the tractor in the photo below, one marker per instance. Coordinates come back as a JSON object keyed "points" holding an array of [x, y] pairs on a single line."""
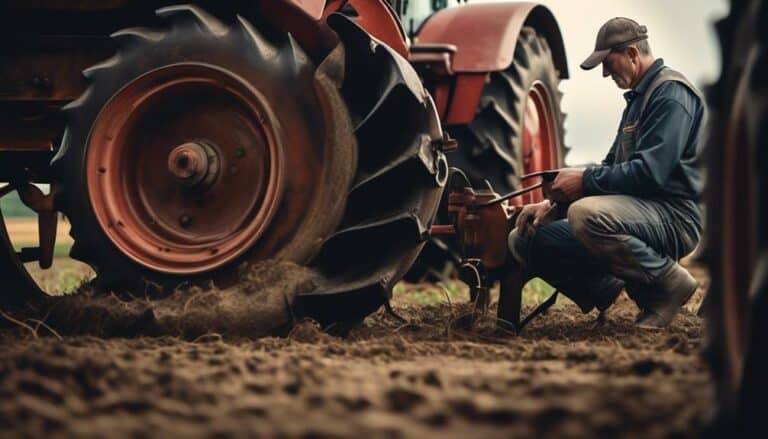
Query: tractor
{"points": [[182, 141], [496, 90]]}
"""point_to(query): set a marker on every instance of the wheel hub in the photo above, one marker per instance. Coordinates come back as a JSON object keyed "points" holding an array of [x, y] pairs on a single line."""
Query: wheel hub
{"points": [[184, 168], [194, 164]]}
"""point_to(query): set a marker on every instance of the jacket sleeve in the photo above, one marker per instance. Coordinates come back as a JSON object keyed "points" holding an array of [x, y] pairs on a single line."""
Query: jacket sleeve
{"points": [[611, 156], [661, 142]]}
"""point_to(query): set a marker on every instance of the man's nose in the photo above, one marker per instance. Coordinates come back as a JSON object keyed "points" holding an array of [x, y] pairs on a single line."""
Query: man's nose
{"points": [[605, 71]]}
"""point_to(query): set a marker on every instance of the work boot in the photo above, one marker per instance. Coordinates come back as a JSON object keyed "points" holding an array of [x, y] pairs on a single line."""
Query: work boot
{"points": [[674, 289]]}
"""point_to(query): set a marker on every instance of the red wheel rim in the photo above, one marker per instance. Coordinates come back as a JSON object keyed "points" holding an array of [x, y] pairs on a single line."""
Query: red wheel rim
{"points": [[184, 168], [541, 148]]}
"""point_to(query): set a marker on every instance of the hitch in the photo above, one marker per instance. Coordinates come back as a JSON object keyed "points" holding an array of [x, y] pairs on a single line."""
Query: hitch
{"points": [[482, 219], [47, 220]]}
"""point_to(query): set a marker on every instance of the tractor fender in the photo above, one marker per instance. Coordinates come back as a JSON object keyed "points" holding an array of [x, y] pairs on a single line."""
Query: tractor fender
{"points": [[313, 8], [485, 34]]}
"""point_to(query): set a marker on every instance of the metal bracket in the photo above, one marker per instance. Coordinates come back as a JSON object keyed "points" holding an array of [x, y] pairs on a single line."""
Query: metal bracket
{"points": [[47, 221]]}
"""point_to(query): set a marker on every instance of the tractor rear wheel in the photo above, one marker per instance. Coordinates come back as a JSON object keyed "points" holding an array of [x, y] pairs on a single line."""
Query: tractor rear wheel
{"points": [[737, 221], [208, 145], [518, 129]]}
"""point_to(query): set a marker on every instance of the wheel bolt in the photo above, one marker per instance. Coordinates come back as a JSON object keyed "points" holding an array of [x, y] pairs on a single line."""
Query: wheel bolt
{"points": [[188, 162], [185, 221]]}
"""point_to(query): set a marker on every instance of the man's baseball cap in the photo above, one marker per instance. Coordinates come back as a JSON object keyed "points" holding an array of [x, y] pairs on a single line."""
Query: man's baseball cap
{"points": [[616, 33]]}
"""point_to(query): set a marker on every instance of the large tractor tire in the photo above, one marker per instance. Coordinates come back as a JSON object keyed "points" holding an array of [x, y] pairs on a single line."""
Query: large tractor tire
{"points": [[518, 129], [737, 222], [207, 145]]}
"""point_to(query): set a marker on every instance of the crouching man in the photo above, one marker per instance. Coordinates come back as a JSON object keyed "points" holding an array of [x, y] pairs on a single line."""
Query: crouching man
{"points": [[631, 219]]}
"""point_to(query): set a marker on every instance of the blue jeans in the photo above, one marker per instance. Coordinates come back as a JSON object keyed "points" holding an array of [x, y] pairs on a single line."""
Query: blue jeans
{"points": [[634, 239]]}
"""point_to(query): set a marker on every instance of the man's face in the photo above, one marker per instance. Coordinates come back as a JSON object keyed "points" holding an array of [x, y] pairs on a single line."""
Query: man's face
{"points": [[622, 68]]}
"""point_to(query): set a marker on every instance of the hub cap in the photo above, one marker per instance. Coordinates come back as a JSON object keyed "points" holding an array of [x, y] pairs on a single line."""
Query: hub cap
{"points": [[184, 168]]}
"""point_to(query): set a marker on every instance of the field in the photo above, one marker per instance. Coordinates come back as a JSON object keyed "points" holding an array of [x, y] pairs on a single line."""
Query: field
{"points": [[66, 274], [191, 368]]}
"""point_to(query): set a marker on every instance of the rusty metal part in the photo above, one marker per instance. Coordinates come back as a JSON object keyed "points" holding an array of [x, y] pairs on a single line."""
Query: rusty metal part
{"points": [[486, 34], [482, 220], [483, 223], [435, 58], [49, 71], [313, 8], [140, 182], [188, 162], [47, 218], [27, 135], [447, 143], [376, 17], [473, 273], [197, 164], [547, 177]]}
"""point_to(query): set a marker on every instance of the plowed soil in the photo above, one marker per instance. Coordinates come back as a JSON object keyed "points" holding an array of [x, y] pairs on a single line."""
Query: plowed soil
{"points": [[426, 378]]}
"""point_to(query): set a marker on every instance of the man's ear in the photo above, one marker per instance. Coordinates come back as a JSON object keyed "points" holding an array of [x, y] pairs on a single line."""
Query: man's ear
{"points": [[633, 53]]}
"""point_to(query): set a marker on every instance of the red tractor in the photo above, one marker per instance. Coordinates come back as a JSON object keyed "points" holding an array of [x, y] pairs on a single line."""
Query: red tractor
{"points": [[494, 71], [181, 141]]}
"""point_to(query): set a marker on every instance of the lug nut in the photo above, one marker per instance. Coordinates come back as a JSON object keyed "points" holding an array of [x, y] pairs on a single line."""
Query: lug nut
{"points": [[188, 162], [185, 221]]}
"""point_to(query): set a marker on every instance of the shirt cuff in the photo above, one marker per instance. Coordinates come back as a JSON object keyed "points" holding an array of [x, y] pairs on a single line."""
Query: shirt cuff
{"points": [[589, 185]]}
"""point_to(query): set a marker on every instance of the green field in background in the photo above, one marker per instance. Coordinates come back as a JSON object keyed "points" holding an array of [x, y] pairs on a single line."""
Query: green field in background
{"points": [[12, 207]]}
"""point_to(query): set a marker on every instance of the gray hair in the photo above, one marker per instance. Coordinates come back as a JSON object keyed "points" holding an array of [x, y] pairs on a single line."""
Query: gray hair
{"points": [[643, 47]]}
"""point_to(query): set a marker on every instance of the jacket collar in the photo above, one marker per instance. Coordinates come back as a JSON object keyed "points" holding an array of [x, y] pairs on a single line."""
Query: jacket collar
{"points": [[645, 81]]}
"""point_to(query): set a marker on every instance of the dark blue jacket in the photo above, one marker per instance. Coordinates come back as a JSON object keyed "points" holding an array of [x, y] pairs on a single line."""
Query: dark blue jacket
{"points": [[663, 160]]}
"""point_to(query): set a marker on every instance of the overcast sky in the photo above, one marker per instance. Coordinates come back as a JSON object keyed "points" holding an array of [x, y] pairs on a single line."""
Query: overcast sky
{"points": [[679, 31]]}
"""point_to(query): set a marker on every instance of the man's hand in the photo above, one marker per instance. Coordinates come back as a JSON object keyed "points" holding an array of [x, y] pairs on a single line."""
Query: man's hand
{"points": [[534, 215], [568, 185]]}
